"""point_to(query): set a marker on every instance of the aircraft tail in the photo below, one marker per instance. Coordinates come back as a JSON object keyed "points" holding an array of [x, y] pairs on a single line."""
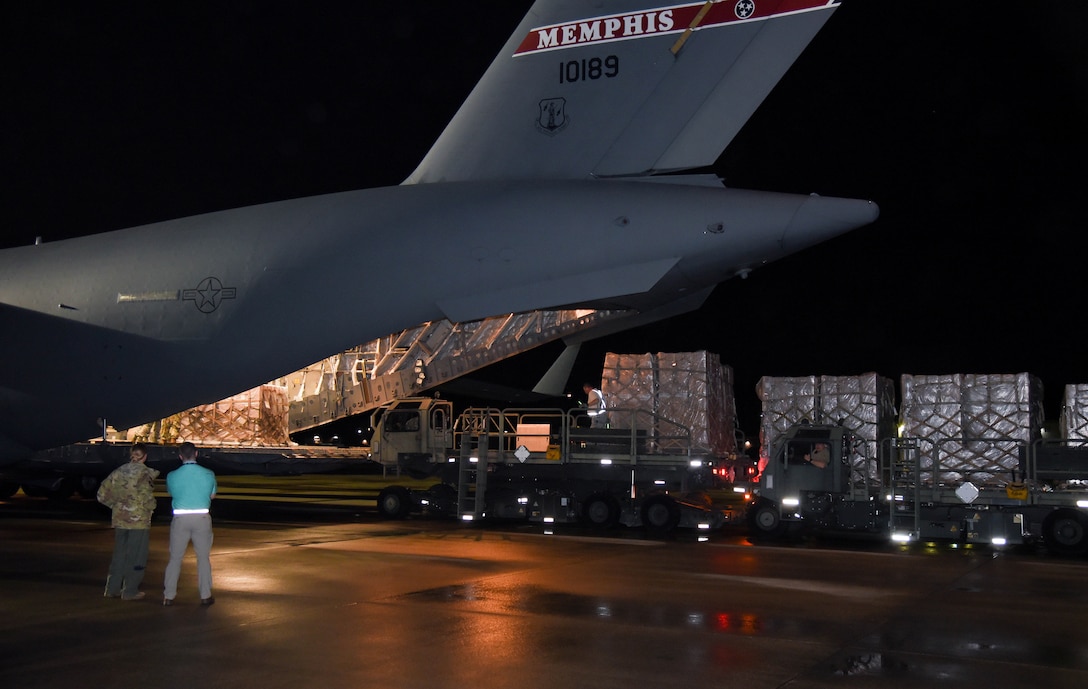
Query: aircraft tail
{"points": [[634, 89]]}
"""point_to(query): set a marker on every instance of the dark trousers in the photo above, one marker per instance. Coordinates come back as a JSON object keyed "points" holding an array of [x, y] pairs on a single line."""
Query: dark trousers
{"points": [[129, 562]]}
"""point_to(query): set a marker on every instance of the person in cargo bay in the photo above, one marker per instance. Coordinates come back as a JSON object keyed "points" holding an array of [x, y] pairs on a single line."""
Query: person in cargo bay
{"points": [[596, 407]]}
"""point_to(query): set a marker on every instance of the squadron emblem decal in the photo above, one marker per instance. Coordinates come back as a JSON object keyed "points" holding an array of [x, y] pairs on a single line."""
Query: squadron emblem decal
{"points": [[552, 117], [744, 8], [209, 294]]}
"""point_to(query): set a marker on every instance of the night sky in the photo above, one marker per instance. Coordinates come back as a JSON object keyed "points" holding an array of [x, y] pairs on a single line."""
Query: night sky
{"points": [[965, 122]]}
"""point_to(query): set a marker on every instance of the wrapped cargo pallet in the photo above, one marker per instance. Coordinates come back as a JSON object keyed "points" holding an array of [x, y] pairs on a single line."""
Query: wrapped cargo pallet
{"points": [[864, 403], [1074, 419], [693, 389], [255, 417], [787, 401], [972, 425]]}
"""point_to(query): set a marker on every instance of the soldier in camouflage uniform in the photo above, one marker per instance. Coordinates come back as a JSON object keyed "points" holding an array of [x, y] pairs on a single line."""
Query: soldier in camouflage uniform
{"points": [[129, 492]]}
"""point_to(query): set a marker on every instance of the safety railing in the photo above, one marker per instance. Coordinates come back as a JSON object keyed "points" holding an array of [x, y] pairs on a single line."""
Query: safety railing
{"points": [[538, 435]]}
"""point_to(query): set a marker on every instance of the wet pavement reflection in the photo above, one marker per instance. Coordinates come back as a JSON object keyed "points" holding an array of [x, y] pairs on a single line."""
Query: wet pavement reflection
{"points": [[538, 601], [355, 601]]}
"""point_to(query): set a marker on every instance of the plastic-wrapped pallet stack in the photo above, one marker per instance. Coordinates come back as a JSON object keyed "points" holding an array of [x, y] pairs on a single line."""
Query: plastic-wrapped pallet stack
{"points": [[972, 423], [1074, 420], [787, 401], [255, 417], [691, 388], [864, 403]]}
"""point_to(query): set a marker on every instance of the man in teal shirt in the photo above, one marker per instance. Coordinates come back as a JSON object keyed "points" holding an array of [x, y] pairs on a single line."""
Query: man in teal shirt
{"points": [[192, 488]]}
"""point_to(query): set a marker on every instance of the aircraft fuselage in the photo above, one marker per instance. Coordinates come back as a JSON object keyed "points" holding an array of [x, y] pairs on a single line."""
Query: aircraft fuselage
{"points": [[189, 311]]}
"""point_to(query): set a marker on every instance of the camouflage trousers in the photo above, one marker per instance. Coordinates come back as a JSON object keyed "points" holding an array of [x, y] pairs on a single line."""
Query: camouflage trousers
{"points": [[130, 547]]}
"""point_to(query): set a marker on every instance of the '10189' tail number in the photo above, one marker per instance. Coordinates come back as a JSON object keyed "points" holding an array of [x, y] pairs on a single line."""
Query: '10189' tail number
{"points": [[589, 69]]}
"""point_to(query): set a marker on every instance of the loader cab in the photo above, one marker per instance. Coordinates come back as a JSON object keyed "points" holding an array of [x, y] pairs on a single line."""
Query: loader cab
{"points": [[807, 472], [417, 429], [807, 459]]}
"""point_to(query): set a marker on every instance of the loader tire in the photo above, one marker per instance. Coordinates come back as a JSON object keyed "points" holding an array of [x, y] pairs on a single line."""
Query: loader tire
{"points": [[660, 512], [765, 522], [1065, 532], [443, 499], [601, 510], [394, 502], [87, 487]]}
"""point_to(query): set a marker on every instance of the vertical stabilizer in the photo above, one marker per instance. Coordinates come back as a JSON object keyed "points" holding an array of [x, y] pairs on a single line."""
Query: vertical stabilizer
{"points": [[619, 88]]}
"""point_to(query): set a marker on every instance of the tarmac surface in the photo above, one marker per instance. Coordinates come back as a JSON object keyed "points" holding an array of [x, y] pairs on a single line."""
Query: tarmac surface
{"points": [[333, 597]]}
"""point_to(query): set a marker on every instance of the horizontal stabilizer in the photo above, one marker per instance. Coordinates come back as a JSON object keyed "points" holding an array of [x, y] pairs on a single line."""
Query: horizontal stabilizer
{"points": [[558, 291]]}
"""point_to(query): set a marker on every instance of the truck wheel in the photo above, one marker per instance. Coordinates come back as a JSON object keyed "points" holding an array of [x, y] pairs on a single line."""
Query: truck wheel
{"points": [[660, 512], [87, 487], [1065, 532], [765, 521], [8, 489], [443, 498], [601, 510], [393, 502]]}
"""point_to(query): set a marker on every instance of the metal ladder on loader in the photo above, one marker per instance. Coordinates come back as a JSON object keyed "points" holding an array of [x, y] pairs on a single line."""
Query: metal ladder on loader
{"points": [[903, 479], [472, 478]]}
